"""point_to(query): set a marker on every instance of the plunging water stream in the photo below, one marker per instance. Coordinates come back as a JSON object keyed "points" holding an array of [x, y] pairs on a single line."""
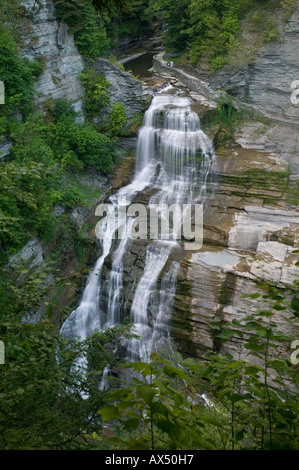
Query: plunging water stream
{"points": [[173, 166]]}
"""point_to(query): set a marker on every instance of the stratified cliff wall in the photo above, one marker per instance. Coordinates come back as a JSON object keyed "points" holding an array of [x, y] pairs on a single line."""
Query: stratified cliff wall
{"points": [[49, 39], [266, 80]]}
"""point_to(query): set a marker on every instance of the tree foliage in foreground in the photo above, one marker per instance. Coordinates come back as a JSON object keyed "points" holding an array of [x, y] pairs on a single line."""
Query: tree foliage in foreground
{"points": [[222, 402], [46, 400]]}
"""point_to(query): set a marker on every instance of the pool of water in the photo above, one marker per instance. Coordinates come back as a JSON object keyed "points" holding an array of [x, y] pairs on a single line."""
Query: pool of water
{"points": [[140, 65]]}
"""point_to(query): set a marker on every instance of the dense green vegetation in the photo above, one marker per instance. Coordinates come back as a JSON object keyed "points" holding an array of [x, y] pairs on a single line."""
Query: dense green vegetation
{"points": [[201, 32], [48, 145], [43, 396], [17, 73], [45, 399], [95, 91], [98, 26], [86, 24], [133, 21], [51, 152], [205, 32], [45, 151]]}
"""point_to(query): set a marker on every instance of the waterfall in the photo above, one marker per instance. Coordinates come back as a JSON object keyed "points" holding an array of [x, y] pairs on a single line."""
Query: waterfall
{"points": [[174, 164], [156, 258]]}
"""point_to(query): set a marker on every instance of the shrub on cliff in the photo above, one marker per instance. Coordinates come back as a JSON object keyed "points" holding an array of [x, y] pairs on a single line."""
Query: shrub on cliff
{"points": [[17, 73], [117, 119], [96, 92], [87, 26]]}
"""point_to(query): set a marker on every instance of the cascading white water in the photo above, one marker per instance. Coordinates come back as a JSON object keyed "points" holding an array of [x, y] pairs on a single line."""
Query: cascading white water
{"points": [[87, 318], [153, 331], [156, 258], [174, 164]]}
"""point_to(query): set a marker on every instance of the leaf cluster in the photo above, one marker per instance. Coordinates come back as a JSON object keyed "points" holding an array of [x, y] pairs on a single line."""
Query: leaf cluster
{"points": [[223, 401]]}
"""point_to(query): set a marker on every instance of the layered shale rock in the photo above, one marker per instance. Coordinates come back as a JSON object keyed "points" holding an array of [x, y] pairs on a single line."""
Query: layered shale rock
{"points": [[123, 87], [212, 285], [251, 229], [47, 38], [266, 81]]}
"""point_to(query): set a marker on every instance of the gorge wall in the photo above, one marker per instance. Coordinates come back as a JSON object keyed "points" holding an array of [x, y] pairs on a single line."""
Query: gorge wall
{"points": [[123, 87], [265, 79], [46, 37]]}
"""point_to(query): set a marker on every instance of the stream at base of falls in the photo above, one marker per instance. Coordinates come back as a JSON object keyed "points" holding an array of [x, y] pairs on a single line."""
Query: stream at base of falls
{"points": [[174, 166]]}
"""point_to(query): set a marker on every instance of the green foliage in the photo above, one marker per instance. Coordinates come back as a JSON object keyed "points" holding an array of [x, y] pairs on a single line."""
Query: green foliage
{"points": [[117, 119], [46, 149], [247, 405], [17, 73], [109, 5], [61, 108], [95, 22], [271, 32], [226, 113], [154, 406], [93, 41], [226, 117], [91, 147], [87, 26], [259, 21], [175, 16], [208, 30], [289, 7], [24, 201], [46, 401], [261, 396], [132, 21], [44, 152], [112, 58], [96, 93]]}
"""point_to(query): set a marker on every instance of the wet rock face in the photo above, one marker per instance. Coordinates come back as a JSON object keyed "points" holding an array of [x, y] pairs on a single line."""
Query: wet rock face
{"points": [[270, 76], [50, 40], [254, 226], [134, 263], [32, 254]]}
